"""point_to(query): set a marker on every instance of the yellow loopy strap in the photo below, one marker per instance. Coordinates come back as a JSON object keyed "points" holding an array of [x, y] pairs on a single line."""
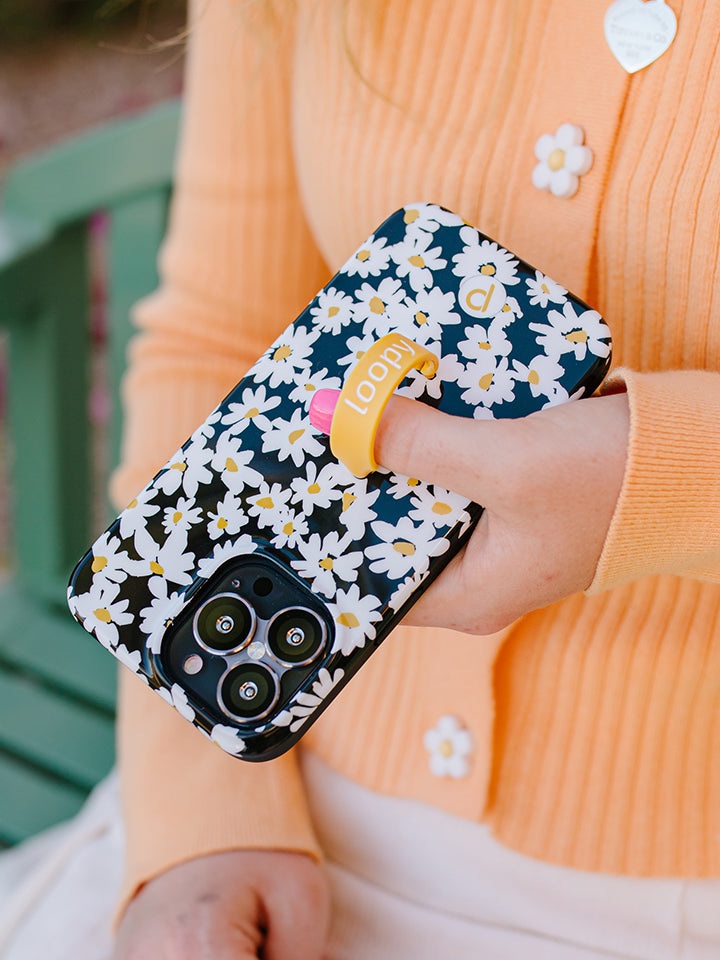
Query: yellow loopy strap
{"points": [[365, 395]]}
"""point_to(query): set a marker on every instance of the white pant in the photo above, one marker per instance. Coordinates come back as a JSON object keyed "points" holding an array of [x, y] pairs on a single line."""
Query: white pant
{"points": [[409, 883], [414, 883]]}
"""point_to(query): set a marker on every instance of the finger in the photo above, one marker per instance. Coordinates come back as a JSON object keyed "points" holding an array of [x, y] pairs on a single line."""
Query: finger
{"points": [[457, 453], [297, 919]]}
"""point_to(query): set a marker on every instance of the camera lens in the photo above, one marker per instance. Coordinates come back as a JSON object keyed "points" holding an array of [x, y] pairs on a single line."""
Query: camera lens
{"points": [[295, 636], [248, 691], [224, 623]]}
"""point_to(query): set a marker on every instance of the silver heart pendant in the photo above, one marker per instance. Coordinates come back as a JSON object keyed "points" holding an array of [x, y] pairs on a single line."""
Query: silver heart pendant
{"points": [[639, 32]]}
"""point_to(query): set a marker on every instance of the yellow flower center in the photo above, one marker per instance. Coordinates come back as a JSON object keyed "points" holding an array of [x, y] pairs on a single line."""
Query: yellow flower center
{"points": [[265, 502], [98, 564], [556, 160], [446, 748], [132, 504], [416, 260], [376, 305], [231, 465], [296, 434], [222, 523], [103, 614], [577, 336], [441, 508], [348, 620], [533, 377], [288, 528], [405, 548], [332, 311], [177, 516], [484, 345], [156, 568], [283, 352], [327, 563], [363, 255], [488, 269], [253, 411], [420, 318], [348, 499], [484, 382], [179, 466], [411, 216], [314, 488], [413, 482], [544, 287]]}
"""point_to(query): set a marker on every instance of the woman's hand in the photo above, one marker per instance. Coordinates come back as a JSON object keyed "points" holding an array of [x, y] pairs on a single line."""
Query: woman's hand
{"points": [[236, 905], [549, 483]]}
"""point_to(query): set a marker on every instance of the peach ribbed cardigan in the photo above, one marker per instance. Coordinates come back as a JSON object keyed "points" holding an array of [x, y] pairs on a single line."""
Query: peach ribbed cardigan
{"points": [[596, 721]]}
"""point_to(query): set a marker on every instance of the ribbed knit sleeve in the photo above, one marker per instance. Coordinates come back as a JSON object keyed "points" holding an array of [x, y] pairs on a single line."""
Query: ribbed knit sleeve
{"points": [[237, 266], [667, 519]]}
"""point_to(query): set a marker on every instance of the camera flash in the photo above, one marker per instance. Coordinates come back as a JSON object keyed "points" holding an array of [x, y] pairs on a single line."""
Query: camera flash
{"points": [[256, 650], [193, 664]]}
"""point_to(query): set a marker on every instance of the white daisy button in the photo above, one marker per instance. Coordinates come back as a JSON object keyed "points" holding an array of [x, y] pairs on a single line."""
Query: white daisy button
{"points": [[563, 160], [450, 745]]}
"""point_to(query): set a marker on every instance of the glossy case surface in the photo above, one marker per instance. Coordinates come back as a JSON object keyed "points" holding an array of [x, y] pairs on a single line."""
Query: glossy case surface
{"points": [[257, 484]]}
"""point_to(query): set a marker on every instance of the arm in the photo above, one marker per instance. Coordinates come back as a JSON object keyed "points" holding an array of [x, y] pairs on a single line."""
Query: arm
{"points": [[237, 265]]}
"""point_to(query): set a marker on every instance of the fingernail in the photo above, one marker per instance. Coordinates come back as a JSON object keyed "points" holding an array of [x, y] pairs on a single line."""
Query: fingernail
{"points": [[322, 407]]}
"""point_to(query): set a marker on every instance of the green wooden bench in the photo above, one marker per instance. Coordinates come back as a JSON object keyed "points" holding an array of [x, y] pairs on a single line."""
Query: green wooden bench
{"points": [[57, 685]]}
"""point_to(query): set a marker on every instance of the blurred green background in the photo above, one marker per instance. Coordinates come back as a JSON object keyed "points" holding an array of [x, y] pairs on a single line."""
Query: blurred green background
{"points": [[30, 20]]}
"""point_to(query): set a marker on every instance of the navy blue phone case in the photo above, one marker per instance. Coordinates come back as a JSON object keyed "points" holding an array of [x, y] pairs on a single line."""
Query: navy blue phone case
{"points": [[254, 503]]}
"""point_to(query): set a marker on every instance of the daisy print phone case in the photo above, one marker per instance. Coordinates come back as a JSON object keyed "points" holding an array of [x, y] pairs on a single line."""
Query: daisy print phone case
{"points": [[254, 574]]}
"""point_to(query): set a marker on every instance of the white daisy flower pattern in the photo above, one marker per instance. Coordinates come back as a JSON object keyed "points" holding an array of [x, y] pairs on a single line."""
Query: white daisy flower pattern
{"points": [[102, 612], [404, 547], [307, 385], [133, 521], [289, 529], [567, 332], [228, 739], [486, 382], [232, 462], [188, 469], [318, 488], [431, 311], [225, 550], [177, 698], [305, 704], [257, 484], [381, 307], [369, 260], [181, 516], [289, 355], [227, 519], [442, 508], [416, 260], [325, 560], [109, 561], [484, 257], [543, 375], [253, 407], [334, 310], [427, 216], [268, 504], [543, 290], [562, 161], [295, 438], [354, 616], [450, 746]]}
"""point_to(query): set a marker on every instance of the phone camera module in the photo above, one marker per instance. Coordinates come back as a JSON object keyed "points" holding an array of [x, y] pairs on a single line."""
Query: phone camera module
{"points": [[296, 636], [248, 691], [224, 623]]}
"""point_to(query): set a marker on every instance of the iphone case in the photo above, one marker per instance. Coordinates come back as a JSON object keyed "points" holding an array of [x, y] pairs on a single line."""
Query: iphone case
{"points": [[255, 506]]}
